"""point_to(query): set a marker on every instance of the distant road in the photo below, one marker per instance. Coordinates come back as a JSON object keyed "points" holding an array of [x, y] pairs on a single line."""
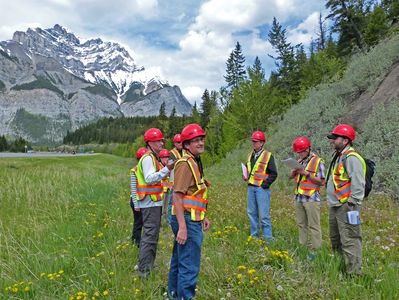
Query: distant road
{"points": [[42, 154]]}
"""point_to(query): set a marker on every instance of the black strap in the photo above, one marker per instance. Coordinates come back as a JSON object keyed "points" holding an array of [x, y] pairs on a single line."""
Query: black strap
{"points": [[332, 164]]}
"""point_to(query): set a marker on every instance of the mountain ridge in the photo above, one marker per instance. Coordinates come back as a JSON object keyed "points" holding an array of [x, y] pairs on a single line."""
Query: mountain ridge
{"points": [[51, 72]]}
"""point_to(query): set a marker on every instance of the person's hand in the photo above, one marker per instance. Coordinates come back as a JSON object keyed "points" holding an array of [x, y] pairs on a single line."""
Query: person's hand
{"points": [[293, 173], [181, 237], [351, 205], [245, 178], [206, 224], [137, 208], [207, 182], [301, 172], [171, 164]]}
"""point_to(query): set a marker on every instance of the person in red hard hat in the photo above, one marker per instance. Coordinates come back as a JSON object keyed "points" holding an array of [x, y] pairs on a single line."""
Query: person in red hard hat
{"points": [[309, 178], [150, 195], [167, 183], [188, 215], [262, 172], [177, 151], [345, 192], [137, 217]]}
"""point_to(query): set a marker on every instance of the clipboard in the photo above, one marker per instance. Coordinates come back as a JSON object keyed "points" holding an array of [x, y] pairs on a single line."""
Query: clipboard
{"points": [[244, 171], [292, 163]]}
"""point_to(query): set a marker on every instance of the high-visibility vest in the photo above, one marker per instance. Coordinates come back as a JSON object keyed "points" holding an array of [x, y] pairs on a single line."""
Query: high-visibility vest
{"points": [[167, 184], [304, 185], [342, 182], [258, 174], [176, 153], [198, 201], [155, 190]]}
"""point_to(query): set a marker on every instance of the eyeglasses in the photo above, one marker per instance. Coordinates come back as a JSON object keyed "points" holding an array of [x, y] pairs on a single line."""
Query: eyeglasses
{"points": [[198, 139]]}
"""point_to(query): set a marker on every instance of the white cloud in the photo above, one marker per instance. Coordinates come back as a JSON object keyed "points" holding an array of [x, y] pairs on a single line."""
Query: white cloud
{"points": [[192, 92], [195, 58]]}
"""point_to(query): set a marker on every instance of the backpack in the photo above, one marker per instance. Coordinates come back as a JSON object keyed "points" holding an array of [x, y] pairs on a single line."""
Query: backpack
{"points": [[370, 170]]}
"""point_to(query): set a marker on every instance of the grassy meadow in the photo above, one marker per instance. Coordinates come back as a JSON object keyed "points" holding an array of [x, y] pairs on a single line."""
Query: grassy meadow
{"points": [[65, 227]]}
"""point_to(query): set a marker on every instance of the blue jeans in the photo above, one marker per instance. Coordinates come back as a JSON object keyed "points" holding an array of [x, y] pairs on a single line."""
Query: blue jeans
{"points": [[185, 262], [259, 206]]}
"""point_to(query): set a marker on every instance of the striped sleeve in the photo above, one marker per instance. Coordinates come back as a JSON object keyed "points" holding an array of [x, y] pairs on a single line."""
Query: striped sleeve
{"points": [[133, 184]]}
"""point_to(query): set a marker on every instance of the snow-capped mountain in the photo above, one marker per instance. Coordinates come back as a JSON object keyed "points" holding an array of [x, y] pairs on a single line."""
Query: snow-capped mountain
{"points": [[94, 60], [52, 82]]}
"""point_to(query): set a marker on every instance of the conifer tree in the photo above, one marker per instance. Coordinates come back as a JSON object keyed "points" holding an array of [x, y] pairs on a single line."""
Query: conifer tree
{"points": [[348, 16], [3, 143], [195, 115], [235, 68], [206, 108]]}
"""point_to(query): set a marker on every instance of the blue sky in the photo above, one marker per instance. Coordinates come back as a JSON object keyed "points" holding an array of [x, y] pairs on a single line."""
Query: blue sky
{"points": [[187, 42]]}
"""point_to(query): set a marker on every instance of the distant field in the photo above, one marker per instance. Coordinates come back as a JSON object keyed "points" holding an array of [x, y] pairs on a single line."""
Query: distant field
{"points": [[65, 229]]}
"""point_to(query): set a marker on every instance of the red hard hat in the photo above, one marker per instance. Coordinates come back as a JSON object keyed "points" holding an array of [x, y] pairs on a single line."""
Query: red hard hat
{"points": [[191, 131], [177, 138], [301, 144], [140, 152], [152, 135], [258, 136], [344, 130], [164, 153]]}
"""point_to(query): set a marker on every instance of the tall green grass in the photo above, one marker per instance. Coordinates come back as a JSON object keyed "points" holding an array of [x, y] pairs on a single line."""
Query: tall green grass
{"points": [[65, 233]]}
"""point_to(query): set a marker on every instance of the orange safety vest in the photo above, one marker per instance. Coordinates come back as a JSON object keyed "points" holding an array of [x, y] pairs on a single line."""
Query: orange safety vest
{"points": [[155, 190], [198, 201], [342, 182], [304, 185], [176, 153], [258, 174], [167, 184]]}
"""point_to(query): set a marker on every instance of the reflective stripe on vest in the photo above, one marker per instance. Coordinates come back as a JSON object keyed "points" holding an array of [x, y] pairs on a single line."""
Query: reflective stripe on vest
{"points": [[176, 153], [342, 182], [167, 185], [258, 174], [155, 191], [307, 187], [197, 202]]}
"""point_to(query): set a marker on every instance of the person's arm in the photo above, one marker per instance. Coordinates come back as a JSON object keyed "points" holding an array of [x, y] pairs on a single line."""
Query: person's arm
{"points": [[319, 179], [133, 187], [354, 168], [272, 171], [181, 237], [149, 172]]}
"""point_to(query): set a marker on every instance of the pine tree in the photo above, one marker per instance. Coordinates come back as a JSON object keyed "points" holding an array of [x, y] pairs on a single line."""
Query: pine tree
{"points": [[162, 111], [348, 16], [286, 77], [235, 68], [195, 115], [3, 143], [205, 108], [321, 35], [256, 72], [377, 26]]}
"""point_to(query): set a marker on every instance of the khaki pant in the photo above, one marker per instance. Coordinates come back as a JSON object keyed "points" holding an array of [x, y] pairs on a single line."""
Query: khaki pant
{"points": [[345, 238], [308, 221]]}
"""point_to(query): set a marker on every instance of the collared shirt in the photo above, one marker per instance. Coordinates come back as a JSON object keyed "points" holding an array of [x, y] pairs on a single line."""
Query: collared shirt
{"points": [[321, 172], [151, 176], [354, 169]]}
